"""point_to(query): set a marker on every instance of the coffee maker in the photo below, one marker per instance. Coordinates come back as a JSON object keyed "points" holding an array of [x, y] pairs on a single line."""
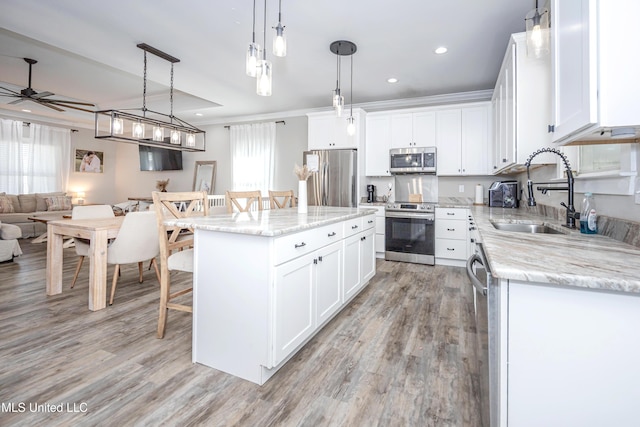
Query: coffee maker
{"points": [[371, 193]]}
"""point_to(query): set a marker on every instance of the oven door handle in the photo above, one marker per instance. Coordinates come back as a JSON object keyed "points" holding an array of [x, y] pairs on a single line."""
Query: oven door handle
{"points": [[474, 279], [419, 215]]}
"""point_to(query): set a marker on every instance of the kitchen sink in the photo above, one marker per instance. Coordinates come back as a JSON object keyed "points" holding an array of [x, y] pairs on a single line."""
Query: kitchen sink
{"points": [[525, 228]]}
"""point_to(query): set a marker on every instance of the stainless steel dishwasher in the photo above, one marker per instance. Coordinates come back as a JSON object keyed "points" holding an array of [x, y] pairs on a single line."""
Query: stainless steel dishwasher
{"points": [[478, 272]]}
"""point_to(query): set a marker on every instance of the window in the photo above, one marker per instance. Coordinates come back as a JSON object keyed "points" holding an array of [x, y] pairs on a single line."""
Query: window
{"points": [[252, 156], [33, 158]]}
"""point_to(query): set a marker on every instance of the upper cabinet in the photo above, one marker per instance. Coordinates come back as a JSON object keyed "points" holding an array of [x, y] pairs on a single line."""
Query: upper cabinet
{"points": [[327, 131], [378, 144], [413, 129], [520, 108], [463, 140], [594, 70]]}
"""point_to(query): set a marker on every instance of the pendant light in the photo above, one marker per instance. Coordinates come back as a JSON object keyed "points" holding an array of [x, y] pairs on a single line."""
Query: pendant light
{"points": [[351, 125], [253, 53], [341, 48], [279, 41], [537, 27], [265, 70]]}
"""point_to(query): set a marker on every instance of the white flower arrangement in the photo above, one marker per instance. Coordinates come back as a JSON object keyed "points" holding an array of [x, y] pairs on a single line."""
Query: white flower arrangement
{"points": [[302, 172]]}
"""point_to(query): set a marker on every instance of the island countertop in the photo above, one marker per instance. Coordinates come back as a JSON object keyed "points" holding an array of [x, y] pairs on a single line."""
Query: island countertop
{"points": [[571, 259], [272, 222]]}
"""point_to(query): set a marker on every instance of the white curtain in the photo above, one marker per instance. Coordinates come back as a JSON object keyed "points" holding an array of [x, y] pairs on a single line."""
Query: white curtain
{"points": [[252, 156], [34, 159]]}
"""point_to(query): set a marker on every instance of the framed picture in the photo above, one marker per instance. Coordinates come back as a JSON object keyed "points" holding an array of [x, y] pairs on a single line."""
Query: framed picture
{"points": [[89, 161], [204, 176]]}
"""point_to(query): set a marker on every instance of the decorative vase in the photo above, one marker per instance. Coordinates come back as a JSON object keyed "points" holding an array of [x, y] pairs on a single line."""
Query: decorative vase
{"points": [[302, 197]]}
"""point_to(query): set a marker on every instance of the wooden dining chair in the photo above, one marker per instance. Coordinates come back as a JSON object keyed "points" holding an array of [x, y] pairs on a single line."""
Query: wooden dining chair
{"points": [[137, 241], [82, 245], [280, 199], [236, 198], [176, 245]]}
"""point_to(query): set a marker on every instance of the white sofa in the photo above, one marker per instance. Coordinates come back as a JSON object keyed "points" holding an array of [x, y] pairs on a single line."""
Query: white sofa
{"points": [[27, 205]]}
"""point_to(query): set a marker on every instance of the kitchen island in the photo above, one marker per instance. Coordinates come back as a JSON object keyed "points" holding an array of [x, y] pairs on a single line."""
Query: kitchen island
{"points": [[563, 316], [266, 282]]}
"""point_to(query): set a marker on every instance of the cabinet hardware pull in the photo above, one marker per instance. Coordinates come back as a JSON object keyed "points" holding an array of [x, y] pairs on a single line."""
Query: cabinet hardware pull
{"points": [[450, 249], [320, 258], [450, 213], [363, 238], [451, 229], [300, 245], [353, 227], [315, 261], [369, 222], [333, 233]]}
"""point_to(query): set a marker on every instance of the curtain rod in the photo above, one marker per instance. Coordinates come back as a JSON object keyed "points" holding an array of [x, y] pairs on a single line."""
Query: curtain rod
{"points": [[277, 122]]}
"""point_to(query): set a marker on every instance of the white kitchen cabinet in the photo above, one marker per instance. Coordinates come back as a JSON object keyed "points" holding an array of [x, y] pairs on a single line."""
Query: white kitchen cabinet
{"points": [[379, 229], [520, 105], [463, 140], [328, 281], [378, 143], [359, 257], [413, 129], [594, 74], [327, 131], [452, 243], [555, 341]]}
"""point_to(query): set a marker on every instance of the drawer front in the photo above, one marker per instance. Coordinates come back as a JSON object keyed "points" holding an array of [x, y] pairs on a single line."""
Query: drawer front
{"points": [[294, 245], [452, 213], [452, 249], [368, 222], [352, 226], [330, 233], [451, 229]]}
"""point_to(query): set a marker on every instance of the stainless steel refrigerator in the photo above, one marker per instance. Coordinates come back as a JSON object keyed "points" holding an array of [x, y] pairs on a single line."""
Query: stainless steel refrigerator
{"points": [[335, 181]]}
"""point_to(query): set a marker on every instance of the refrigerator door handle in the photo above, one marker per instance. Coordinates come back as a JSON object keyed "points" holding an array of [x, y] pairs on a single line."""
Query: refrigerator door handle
{"points": [[325, 184]]}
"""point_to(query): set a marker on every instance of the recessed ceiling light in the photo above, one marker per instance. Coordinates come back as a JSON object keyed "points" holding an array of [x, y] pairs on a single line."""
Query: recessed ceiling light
{"points": [[26, 111], [199, 114], [441, 50], [392, 80]]}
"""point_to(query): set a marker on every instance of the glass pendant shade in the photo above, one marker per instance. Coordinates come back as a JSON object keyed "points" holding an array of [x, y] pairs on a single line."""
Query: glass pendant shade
{"points": [[253, 53], [191, 140], [537, 26], [138, 130], [351, 126], [158, 133], [175, 137], [117, 125], [338, 102], [279, 42], [263, 80]]}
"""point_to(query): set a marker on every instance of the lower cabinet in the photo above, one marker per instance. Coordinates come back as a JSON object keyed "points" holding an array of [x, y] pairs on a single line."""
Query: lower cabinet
{"points": [[359, 261], [452, 243]]}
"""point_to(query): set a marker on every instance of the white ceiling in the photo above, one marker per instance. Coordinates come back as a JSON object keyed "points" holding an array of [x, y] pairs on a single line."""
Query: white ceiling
{"points": [[86, 50]]}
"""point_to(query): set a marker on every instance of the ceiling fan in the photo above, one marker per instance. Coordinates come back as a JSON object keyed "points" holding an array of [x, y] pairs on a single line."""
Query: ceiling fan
{"points": [[29, 94]]}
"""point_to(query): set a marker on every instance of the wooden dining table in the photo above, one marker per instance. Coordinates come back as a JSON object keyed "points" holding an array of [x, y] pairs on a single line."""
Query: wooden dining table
{"points": [[98, 231]]}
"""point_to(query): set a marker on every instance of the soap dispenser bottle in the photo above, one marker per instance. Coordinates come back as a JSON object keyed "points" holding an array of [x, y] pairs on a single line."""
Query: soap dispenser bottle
{"points": [[588, 217]]}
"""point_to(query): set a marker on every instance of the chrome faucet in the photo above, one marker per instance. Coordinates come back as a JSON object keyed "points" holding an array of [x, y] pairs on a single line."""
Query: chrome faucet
{"points": [[571, 211]]}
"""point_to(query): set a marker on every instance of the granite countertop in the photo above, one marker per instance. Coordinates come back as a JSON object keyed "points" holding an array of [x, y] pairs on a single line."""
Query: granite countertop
{"points": [[571, 259], [273, 222]]}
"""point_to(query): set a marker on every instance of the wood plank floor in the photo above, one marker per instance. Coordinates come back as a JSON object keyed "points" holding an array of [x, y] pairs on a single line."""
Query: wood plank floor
{"points": [[401, 354]]}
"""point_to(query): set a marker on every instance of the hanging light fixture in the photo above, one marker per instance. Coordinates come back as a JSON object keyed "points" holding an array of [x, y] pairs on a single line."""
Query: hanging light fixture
{"points": [[537, 26], [340, 48], [125, 126], [279, 42], [264, 77], [253, 53], [351, 124]]}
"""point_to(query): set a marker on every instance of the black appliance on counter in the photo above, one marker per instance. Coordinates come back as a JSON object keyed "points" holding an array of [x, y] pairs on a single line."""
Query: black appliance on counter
{"points": [[504, 194], [371, 193]]}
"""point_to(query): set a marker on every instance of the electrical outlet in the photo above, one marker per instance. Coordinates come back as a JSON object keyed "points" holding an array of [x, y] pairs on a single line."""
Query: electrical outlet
{"points": [[461, 188]]}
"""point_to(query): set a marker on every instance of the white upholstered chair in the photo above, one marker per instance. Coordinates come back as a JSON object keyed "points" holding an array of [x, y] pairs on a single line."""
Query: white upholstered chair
{"points": [[176, 245], [82, 245], [137, 241]]}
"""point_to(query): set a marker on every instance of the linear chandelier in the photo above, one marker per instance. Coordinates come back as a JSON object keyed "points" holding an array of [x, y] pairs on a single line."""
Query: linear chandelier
{"points": [[150, 127]]}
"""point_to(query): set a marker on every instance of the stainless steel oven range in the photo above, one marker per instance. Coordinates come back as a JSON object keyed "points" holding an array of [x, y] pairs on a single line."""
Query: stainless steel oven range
{"points": [[410, 232]]}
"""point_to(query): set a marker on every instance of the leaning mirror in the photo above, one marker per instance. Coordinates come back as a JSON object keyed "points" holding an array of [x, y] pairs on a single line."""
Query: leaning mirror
{"points": [[204, 176]]}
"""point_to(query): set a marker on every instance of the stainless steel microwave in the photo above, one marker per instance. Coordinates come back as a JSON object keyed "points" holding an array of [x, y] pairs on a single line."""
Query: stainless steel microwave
{"points": [[412, 160]]}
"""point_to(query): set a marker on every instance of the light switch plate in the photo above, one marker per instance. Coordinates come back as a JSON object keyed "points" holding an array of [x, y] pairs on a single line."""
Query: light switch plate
{"points": [[461, 188]]}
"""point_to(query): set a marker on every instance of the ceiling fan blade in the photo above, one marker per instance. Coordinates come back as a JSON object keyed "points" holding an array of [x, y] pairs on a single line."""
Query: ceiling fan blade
{"points": [[17, 101], [76, 108], [64, 101], [41, 95], [11, 92], [46, 104]]}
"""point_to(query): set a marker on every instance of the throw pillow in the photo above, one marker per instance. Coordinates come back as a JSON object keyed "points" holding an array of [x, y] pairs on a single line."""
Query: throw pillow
{"points": [[5, 205], [58, 203]]}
